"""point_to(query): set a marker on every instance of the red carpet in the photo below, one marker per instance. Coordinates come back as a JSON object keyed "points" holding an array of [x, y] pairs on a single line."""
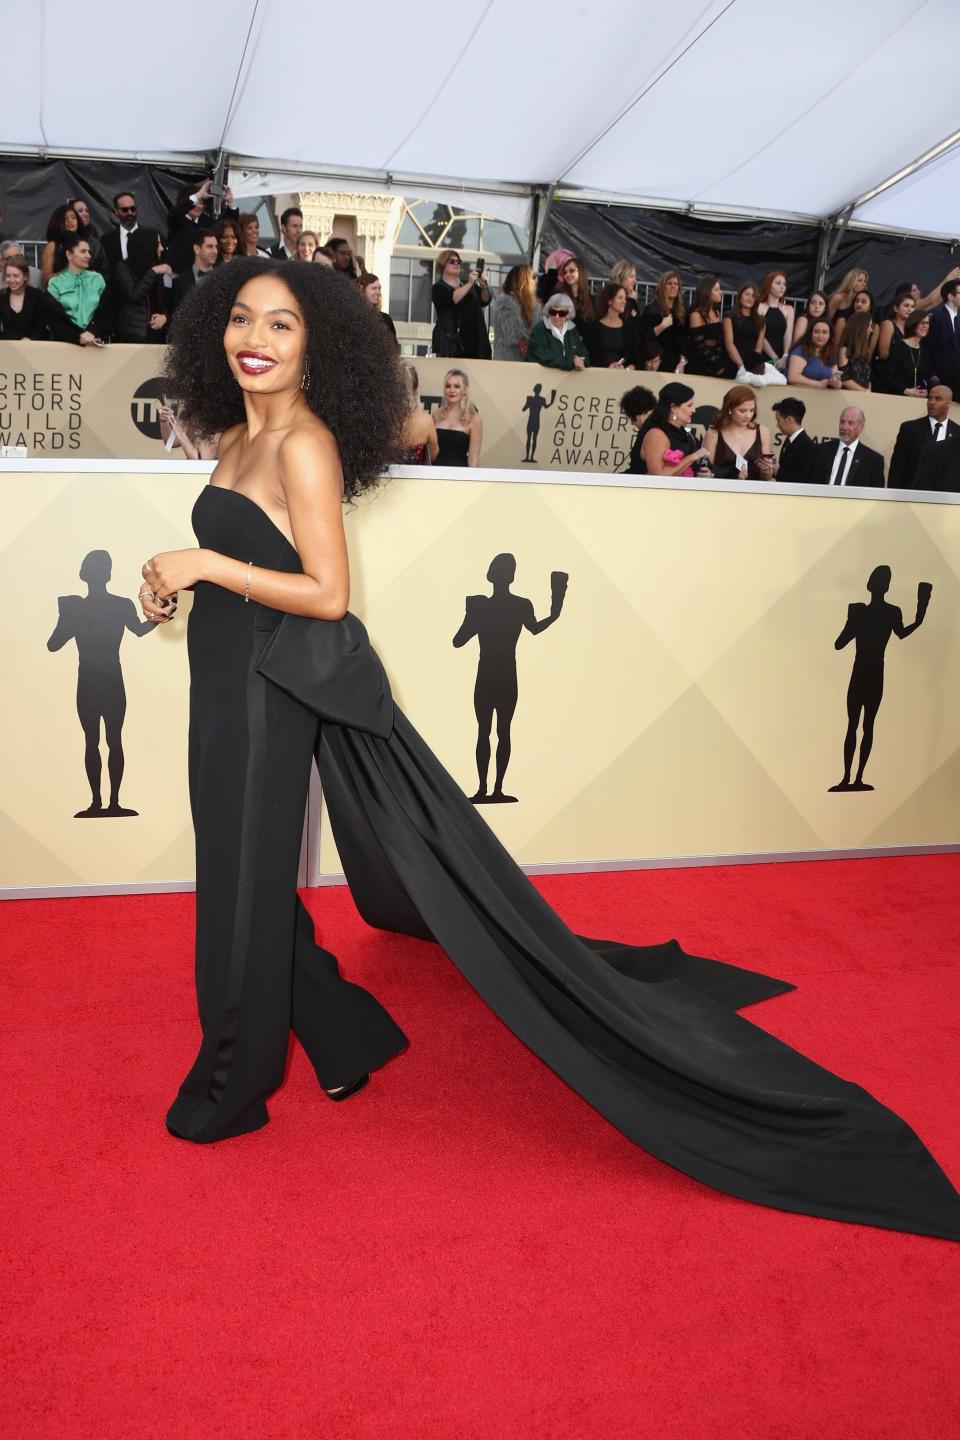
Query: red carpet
{"points": [[465, 1251]]}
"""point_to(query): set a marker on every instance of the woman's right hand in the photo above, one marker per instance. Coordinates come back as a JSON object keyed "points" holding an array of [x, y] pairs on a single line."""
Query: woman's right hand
{"points": [[159, 611], [666, 322], [162, 269], [578, 362]]}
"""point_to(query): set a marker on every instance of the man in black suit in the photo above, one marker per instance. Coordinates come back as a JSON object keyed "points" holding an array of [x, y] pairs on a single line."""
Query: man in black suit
{"points": [[115, 241], [798, 448], [205, 253], [291, 228], [943, 341], [847, 461], [939, 467], [915, 435], [192, 212]]}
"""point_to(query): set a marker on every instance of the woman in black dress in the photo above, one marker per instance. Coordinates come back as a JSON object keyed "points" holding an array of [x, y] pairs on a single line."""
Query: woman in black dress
{"points": [[461, 328], [665, 320], [906, 370], [280, 670], [610, 336], [23, 314], [743, 330], [777, 317], [705, 350], [738, 446], [667, 443], [459, 423], [624, 272]]}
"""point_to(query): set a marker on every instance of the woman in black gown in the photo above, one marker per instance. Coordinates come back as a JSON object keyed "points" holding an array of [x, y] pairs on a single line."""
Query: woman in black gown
{"points": [[280, 670]]}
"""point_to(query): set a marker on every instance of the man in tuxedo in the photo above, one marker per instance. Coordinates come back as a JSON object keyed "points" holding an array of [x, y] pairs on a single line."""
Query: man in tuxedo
{"points": [[193, 212], [205, 252], [798, 448], [943, 341], [115, 242], [939, 467], [914, 435], [291, 227], [847, 461]]}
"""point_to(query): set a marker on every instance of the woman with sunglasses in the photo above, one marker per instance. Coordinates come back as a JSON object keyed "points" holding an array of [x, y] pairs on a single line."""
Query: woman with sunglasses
{"points": [[555, 339], [461, 329]]}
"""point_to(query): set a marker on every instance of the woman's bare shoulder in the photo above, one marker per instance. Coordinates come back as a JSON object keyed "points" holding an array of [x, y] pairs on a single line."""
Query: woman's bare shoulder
{"points": [[229, 438], [309, 457]]}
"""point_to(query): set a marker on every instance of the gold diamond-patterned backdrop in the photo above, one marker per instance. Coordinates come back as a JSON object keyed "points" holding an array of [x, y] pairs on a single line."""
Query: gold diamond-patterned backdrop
{"points": [[688, 702], [61, 402]]}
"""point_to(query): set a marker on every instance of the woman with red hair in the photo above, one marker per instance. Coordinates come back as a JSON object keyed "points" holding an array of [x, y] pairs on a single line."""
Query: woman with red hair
{"points": [[739, 448]]}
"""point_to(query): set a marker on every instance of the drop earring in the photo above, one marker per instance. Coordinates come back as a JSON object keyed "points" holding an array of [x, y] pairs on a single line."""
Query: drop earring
{"points": [[305, 377]]}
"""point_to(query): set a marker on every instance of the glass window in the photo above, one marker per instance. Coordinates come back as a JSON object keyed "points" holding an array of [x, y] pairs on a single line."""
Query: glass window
{"points": [[421, 283], [501, 238], [399, 288], [409, 233], [464, 234], [432, 218]]}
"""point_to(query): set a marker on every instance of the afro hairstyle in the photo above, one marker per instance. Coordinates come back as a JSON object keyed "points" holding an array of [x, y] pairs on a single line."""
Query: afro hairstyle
{"points": [[354, 381]]}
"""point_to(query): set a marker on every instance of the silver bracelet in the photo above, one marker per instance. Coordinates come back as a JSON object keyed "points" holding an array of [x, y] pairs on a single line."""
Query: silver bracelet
{"points": [[246, 588]]}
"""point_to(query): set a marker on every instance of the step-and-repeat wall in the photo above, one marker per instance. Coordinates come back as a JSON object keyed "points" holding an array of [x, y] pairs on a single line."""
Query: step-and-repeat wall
{"points": [[61, 402], [711, 661]]}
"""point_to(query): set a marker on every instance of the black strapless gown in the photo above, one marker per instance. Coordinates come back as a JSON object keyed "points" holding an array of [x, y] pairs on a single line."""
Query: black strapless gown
{"points": [[648, 1035], [454, 446]]}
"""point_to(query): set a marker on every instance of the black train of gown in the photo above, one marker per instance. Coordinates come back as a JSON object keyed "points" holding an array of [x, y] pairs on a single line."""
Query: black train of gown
{"points": [[648, 1035]]}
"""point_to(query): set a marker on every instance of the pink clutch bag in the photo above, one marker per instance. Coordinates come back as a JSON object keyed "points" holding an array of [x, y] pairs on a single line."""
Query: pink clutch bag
{"points": [[670, 457]]}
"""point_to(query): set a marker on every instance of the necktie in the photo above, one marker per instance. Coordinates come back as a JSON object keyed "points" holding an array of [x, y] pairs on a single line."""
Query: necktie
{"points": [[956, 324], [936, 430], [843, 464]]}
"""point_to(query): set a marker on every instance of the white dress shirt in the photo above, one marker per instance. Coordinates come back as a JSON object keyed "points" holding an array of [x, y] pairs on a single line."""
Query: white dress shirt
{"points": [[852, 449], [125, 239]]}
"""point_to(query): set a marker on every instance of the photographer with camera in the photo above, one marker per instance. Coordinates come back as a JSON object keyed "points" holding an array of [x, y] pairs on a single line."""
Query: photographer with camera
{"points": [[461, 331], [193, 212]]}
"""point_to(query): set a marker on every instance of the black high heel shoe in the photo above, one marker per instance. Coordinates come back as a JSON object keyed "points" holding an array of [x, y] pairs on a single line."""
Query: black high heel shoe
{"points": [[348, 1090]]}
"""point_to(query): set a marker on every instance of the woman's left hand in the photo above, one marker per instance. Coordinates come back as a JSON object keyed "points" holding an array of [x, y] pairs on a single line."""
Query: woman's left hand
{"points": [[172, 571], [157, 322]]}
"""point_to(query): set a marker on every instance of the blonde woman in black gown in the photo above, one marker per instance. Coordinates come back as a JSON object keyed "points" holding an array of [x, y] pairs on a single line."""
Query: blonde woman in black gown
{"points": [[301, 379]]}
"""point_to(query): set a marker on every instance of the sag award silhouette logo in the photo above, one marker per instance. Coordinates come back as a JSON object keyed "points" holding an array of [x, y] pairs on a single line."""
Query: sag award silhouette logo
{"points": [[497, 621], [97, 621], [533, 408], [870, 627], [585, 430]]}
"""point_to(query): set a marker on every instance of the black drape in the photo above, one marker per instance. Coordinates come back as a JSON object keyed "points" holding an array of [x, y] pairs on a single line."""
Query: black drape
{"points": [[31, 189], [738, 250]]}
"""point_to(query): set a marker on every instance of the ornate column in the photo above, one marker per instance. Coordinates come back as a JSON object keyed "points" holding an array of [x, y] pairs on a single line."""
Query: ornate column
{"points": [[377, 219]]}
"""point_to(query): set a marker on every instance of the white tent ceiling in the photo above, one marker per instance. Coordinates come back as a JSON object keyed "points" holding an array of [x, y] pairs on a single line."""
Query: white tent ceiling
{"points": [[793, 107]]}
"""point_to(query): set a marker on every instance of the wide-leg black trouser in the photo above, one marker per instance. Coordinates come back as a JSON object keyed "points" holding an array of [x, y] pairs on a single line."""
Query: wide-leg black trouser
{"points": [[259, 970]]}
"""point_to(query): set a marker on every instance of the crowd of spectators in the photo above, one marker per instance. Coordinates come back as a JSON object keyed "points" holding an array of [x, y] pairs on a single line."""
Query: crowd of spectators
{"points": [[125, 286], [836, 341]]}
